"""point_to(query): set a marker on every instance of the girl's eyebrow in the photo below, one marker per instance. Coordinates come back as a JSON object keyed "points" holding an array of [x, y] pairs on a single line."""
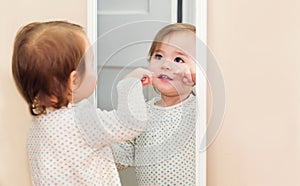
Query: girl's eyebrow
{"points": [[181, 53], [177, 52], [158, 50]]}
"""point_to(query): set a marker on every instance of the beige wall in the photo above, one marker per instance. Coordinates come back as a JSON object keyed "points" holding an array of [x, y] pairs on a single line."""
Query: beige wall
{"points": [[14, 115], [257, 44]]}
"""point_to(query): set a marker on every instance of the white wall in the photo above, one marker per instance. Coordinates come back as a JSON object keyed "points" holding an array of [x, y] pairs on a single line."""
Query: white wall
{"points": [[257, 45], [14, 115]]}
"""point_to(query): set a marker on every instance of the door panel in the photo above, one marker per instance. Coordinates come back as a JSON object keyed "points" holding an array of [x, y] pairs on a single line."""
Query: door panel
{"points": [[125, 32]]}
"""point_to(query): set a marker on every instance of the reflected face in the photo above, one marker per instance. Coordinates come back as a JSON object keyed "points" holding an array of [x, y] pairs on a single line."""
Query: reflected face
{"points": [[175, 54], [88, 81]]}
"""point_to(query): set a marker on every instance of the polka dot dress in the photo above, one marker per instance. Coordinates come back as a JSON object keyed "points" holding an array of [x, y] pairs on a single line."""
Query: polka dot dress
{"points": [[71, 146], [165, 154]]}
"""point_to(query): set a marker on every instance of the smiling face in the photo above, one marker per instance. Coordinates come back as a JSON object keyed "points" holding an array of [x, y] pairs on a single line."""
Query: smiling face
{"points": [[175, 54]]}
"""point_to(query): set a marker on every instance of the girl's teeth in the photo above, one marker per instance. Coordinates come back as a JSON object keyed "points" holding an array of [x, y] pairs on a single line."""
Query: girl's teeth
{"points": [[164, 77]]}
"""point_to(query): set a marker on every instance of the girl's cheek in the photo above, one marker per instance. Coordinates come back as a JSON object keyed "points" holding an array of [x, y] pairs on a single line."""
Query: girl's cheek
{"points": [[153, 67], [181, 67]]}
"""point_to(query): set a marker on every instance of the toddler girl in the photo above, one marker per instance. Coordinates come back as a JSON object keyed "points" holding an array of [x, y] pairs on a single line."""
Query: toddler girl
{"points": [[69, 140], [165, 153]]}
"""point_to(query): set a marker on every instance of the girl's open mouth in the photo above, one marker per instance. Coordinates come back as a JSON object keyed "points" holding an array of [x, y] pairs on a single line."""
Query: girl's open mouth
{"points": [[163, 76]]}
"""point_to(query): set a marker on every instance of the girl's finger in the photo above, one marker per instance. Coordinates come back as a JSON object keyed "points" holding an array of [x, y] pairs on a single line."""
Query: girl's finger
{"points": [[146, 80], [188, 77], [193, 74]]}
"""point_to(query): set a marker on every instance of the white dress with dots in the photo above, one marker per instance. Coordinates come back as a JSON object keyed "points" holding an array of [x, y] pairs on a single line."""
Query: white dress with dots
{"points": [[71, 145], [164, 155]]}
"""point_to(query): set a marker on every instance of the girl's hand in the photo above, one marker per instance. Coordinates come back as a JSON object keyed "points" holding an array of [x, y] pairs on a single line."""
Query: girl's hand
{"points": [[188, 76], [143, 74], [193, 74]]}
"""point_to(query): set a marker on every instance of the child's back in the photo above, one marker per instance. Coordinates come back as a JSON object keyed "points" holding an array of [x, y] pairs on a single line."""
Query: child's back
{"points": [[69, 140]]}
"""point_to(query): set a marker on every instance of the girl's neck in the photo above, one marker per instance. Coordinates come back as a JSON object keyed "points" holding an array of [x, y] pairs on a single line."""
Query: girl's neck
{"points": [[167, 101]]}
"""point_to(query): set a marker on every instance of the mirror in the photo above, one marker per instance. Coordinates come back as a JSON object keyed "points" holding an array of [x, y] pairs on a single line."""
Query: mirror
{"points": [[124, 31]]}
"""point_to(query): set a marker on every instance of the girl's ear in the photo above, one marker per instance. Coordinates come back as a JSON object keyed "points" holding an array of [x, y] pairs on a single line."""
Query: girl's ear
{"points": [[73, 83], [53, 99]]}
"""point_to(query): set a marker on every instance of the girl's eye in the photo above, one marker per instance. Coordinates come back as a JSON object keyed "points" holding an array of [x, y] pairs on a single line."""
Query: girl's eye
{"points": [[178, 60], [158, 56]]}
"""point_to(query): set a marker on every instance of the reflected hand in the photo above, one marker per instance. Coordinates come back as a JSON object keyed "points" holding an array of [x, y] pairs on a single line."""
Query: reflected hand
{"points": [[188, 76], [143, 74]]}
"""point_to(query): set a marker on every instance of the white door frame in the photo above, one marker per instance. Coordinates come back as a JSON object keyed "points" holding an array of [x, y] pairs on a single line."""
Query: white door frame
{"points": [[92, 35], [201, 76]]}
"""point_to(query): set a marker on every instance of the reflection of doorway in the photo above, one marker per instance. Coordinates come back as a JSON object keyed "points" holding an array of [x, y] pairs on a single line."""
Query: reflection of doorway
{"points": [[116, 30], [111, 15]]}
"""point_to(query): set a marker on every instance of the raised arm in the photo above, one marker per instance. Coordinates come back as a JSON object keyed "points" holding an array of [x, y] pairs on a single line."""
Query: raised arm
{"points": [[101, 128]]}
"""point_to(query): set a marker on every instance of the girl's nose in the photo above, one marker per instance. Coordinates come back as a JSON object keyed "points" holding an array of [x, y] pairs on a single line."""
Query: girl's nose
{"points": [[166, 65]]}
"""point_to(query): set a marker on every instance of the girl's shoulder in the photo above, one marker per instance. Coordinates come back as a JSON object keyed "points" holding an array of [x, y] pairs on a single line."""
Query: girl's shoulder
{"points": [[54, 115]]}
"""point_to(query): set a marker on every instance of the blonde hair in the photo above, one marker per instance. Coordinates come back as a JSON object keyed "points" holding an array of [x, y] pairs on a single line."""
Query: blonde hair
{"points": [[169, 29]]}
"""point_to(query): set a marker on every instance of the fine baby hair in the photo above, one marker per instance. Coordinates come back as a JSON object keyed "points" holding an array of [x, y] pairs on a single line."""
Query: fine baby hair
{"points": [[44, 56], [167, 30]]}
